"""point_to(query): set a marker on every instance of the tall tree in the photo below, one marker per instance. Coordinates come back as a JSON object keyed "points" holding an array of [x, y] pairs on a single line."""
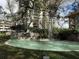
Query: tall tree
{"points": [[39, 10]]}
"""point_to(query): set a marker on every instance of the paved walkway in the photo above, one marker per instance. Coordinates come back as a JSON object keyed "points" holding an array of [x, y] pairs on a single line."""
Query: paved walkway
{"points": [[44, 45]]}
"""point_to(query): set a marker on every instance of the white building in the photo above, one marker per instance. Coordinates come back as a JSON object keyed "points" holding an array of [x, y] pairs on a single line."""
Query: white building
{"points": [[5, 25]]}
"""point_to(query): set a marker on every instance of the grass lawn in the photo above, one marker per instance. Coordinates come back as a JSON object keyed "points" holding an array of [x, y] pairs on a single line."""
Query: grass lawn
{"points": [[35, 49]]}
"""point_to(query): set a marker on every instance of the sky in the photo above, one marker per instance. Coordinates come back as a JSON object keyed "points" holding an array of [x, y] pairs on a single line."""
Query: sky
{"points": [[3, 3], [68, 7], [65, 2]]}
